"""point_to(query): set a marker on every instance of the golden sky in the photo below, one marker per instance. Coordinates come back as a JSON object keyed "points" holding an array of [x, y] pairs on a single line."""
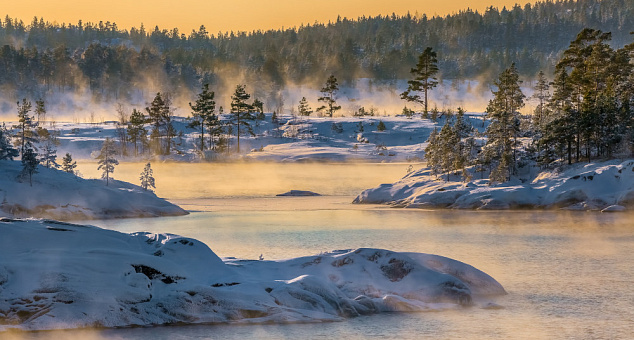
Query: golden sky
{"points": [[227, 15]]}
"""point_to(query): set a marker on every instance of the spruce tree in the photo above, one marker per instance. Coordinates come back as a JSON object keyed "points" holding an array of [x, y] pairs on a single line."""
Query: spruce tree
{"points": [[504, 129], [29, 164], [542, 95], [136, 129], [241, 112], [424, 79], [147, 177], [303, 108], [107, 160], [203, 115], [68, 164], [40, 110], [329, 96], [160, 117], [448, 152], [49, 154], [381, 126], [7, 151], [433, 153]]}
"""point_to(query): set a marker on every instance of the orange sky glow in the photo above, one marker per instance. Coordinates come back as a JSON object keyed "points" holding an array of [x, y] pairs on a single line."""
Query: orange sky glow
{"points": [[237, 15]]}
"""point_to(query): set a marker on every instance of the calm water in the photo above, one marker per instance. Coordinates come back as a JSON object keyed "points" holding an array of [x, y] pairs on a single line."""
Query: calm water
{"points": [[568, 275]]}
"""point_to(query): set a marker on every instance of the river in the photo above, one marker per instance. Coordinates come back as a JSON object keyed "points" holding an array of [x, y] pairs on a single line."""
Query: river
{"points": [[569, 275]]}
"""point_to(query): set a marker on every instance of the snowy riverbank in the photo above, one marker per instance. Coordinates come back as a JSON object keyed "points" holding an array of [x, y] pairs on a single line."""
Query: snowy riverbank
{"points": [[60, 195], [605, 186], [64, 275]]}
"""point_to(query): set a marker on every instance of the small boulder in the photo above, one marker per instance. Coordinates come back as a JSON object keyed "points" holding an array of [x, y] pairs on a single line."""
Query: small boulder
{"points": [[299, 193]]}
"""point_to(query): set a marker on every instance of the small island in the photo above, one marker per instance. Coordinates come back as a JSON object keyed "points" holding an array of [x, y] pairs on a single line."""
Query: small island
{"points": [[60, 195]]}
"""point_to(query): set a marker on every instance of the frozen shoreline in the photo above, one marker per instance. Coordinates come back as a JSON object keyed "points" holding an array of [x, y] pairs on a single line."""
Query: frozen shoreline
{"points": [[606, 186]]}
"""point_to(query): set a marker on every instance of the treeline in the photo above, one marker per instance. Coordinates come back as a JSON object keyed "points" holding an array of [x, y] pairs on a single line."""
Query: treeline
{"points": [[39, 57], [585, 112]]}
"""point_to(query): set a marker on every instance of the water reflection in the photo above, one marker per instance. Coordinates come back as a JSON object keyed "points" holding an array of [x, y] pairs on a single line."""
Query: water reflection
{"points": [[204, 180], [568, 274]]}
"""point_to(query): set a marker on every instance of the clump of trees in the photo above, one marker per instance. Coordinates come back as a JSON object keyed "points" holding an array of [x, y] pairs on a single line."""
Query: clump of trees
{"points": [[40, 57], [589, 115]]}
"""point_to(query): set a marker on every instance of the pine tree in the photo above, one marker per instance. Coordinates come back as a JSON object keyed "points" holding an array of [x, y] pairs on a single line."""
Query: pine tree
{"points": [[68, 164], [303, 108], [424, 79], [29, 163], [241, 112], [147, 177], [7, 151], [136, 129], [381, 126], [329, 96], [503, 132], [26, 135], [107, 160], [203, 115]]}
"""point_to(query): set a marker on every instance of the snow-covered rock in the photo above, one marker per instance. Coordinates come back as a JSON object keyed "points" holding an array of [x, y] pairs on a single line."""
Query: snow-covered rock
{"points": [[593, 186], [299, 193], [57, 275], [59, 195]]}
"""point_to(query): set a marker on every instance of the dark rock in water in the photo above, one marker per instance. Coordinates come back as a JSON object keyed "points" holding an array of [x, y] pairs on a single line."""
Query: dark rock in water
{"points": [[299, 193]]}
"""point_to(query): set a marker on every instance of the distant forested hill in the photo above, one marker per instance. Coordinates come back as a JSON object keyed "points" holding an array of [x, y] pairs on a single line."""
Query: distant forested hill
{"points": [[41, 57]]}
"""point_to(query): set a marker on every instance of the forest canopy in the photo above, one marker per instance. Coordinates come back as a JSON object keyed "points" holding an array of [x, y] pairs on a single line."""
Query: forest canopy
{"points": [[41, 57]]}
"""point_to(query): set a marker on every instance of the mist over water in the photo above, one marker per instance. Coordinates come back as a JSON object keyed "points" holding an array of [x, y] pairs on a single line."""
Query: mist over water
{"points": [[255, 179], [568, 274]]}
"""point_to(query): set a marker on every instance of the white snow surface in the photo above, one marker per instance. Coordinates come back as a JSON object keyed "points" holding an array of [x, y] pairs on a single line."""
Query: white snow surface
{"points": [[56, 275], [64, 196], [295, 139], [585, 186]]}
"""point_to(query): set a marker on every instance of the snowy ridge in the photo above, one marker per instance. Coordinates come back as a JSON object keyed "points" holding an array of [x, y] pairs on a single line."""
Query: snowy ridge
{"points": [[59, 195], [62, 275], [607, 186]]}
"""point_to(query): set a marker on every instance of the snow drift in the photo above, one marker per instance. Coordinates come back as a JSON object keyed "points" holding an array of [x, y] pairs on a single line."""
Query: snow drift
{"points": [[605, 186], [56, 275], [64, 196]]}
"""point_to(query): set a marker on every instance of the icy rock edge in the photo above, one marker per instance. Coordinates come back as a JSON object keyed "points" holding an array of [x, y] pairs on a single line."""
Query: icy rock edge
{"points": [[56, 275], [602, 186]]}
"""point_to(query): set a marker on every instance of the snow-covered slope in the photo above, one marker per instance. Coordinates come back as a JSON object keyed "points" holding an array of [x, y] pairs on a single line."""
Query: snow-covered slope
{"points": [[58, 275], [60, 195], [594, 186]]}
